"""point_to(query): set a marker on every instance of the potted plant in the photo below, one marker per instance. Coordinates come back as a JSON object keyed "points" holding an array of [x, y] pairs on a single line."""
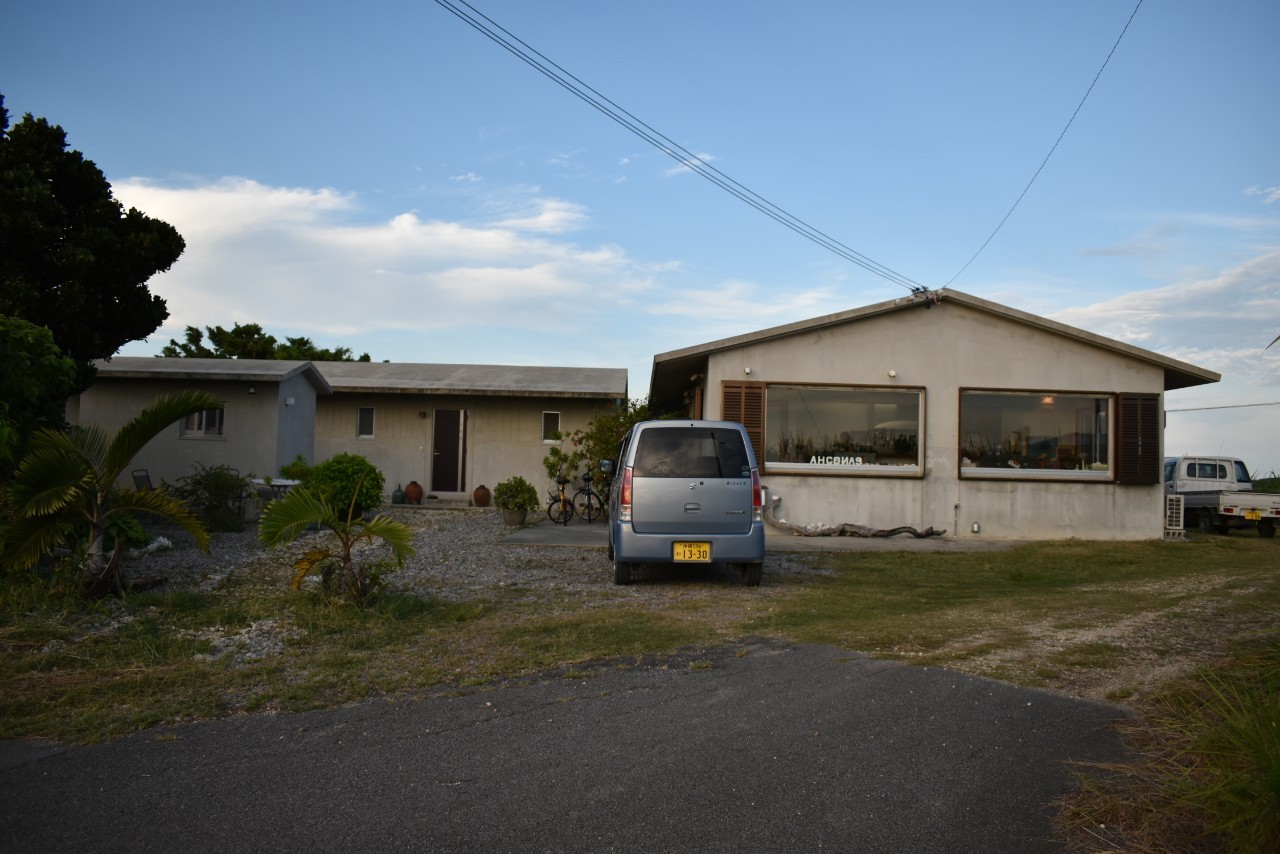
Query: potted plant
{"points": [[516, 498]]}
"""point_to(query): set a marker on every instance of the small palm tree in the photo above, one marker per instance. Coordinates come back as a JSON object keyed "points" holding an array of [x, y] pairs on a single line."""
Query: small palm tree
{"points": [[66, 480], [286, 518]]}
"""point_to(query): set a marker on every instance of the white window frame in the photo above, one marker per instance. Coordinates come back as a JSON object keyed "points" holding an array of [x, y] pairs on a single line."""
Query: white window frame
{"points": [[549, 437], [206, 424]]}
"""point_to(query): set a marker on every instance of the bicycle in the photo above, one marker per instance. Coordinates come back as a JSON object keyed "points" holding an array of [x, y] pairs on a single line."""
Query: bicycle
{"points": [[587, 503], [560, 508]]}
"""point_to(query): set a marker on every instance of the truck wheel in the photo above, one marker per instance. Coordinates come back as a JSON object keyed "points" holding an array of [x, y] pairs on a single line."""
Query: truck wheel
{"points": [[622, 571], [1267, 528], [751, 573], [1204, 521]]}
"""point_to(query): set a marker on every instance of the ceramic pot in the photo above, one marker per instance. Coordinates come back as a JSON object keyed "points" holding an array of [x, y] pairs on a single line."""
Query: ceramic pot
{"points": [[481, 496], [514, 518], [413, 492], [397, 497]]}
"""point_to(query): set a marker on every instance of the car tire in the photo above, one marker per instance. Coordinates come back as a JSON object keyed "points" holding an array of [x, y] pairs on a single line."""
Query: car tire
{"points": [[1267, 528], [623, 571], [1204, 521], [751, 573]]}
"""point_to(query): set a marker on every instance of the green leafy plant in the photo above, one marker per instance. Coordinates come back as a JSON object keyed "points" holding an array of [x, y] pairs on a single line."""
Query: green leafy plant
{"points": [[299, 470], [66, 483], [346, 478], [515, 493], [285, 519], [214, 493], [598, 442]]}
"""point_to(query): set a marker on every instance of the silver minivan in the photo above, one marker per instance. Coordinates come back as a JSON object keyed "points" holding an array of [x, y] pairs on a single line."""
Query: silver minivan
{"points": [[686, 492]]}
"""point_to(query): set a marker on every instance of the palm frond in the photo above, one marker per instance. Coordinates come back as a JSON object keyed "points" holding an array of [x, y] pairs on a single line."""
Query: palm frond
{"points": [[1273, 341], [164, 411], [48, 481], [395, 534], [284, 519], [166, 507], [28, 539], [303, 566]]}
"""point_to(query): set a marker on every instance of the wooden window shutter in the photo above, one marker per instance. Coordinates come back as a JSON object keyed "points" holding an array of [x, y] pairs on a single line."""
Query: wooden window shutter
{"points": [[744, 403], [1138, 439]]}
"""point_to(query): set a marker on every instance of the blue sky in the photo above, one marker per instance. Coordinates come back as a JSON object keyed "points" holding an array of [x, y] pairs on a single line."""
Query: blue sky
{"points": [[386, 178]]}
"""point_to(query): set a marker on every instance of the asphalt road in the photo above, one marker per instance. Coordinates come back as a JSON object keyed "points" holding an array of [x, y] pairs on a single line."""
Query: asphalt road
{"points": [[756, 747]]}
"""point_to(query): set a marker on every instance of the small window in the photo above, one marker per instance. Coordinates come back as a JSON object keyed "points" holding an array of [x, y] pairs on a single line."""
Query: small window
{"points": [[551, 428], [364, 422], [206, 424]]}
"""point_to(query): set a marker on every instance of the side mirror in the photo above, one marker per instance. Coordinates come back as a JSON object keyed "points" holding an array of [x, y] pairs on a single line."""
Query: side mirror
{"points": [[606, 467]]}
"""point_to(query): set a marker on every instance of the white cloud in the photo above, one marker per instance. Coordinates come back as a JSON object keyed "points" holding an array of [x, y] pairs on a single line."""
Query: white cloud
{"points": [[1270, 195], [688, 164], [1221, 323], [466, 178], [301, 260]]}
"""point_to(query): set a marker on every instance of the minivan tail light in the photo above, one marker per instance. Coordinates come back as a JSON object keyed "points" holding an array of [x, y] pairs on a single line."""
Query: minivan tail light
{"points": [[757, 499], [624, 497]]}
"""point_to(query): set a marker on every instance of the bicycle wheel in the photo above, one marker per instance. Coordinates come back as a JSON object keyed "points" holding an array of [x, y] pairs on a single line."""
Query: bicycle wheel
{"points": [[560, 510], [587, 505]]}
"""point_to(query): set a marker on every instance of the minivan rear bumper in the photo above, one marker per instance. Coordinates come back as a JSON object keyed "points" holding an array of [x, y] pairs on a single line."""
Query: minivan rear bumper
{"points": [[630, 547]]}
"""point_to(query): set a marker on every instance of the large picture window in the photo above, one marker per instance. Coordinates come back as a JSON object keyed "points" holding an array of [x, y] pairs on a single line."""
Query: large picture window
{"points": [[843, 430], [1035, 435]]}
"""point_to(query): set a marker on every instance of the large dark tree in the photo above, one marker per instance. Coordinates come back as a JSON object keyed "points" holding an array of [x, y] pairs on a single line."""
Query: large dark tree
{"points": [[248, 341], [72, 259]]}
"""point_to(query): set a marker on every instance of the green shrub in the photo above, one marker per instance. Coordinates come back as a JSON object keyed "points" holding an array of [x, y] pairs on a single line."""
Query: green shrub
{"points": [[343, 477], [214, 494], [299, 470], [515, 493]]}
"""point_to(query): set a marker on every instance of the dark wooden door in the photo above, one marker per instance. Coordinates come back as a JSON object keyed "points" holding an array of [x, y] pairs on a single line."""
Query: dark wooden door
{"points": [[448, 450]]}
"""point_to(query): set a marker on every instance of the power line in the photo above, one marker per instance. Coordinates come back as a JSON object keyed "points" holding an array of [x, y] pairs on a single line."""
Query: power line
{"points": [[660, 141], [1228, 406], [1016, 202]]}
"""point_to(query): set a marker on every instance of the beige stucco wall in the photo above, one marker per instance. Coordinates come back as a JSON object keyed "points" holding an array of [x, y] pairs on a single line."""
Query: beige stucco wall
{"points": [[943, 349], [503, 434], [250, 442]]}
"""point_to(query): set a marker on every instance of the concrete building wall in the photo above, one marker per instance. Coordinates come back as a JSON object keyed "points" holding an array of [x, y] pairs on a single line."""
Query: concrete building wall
{"points": [[941, 350], [503, 435], [248, 442], [295, 419]]}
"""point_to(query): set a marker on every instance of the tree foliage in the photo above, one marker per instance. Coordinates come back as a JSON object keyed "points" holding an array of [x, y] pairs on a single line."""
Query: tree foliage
{"points": [[249, 341], [35, 382], [598, 442], [71, 258], [66, 484]]}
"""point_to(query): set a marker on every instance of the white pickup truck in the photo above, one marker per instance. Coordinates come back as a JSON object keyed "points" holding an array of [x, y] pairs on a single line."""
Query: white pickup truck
{"points": [[1218, 495]]}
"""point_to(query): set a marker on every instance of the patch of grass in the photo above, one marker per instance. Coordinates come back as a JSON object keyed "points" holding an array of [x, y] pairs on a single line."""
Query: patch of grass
{"points": [[946, 608], [1209, 777]]}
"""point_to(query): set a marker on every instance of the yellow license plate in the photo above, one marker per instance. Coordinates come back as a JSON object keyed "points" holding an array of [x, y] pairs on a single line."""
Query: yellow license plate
{"points": [[1253, 515], [700, 552]]}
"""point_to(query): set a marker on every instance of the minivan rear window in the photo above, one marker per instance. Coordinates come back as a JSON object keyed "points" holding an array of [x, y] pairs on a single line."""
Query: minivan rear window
{"points": [[691, 452]]}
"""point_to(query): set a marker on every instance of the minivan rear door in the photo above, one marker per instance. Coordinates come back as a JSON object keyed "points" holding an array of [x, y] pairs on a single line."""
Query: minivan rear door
{"points": [[691, 480]]}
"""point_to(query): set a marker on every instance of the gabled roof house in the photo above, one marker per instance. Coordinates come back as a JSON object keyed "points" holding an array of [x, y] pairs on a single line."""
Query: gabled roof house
{"points": [[942, 410]]}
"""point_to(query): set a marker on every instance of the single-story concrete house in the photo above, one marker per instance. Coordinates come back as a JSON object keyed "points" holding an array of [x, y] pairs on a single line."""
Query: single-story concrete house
{"points": [[448, 427], [942, 410]]}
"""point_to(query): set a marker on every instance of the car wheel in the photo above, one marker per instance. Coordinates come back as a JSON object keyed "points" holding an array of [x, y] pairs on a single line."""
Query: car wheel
{"points": [[1267, 528], [622, 571], [1204, 521], [751, 573]]}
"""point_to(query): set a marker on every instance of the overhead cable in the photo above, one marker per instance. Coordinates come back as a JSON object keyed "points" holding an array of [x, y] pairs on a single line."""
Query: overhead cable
{"points": [[674, 150], [1018, 200]]}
